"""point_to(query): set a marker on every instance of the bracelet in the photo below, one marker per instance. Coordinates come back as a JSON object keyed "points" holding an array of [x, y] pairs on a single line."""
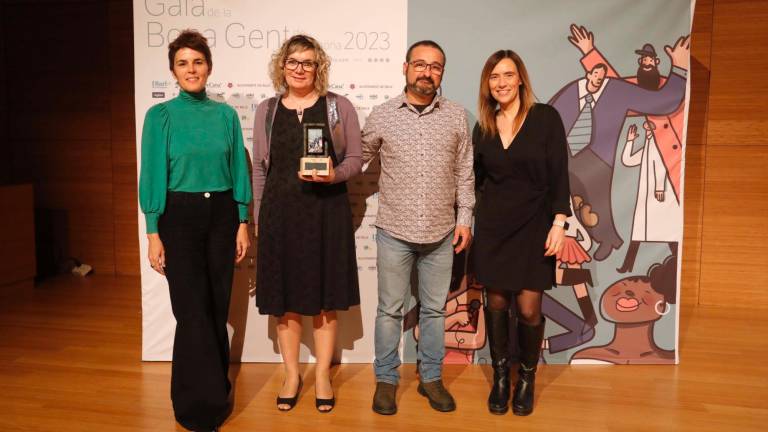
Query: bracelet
{"points": [[562, 224]]}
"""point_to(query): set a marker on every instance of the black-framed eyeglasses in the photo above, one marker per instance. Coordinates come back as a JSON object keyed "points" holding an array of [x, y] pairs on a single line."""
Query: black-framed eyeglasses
{"points": [[421, 66], [307, 65]]}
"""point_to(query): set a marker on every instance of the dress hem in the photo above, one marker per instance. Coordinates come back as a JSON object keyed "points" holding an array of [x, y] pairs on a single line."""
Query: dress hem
{"points": [[304, 313]]}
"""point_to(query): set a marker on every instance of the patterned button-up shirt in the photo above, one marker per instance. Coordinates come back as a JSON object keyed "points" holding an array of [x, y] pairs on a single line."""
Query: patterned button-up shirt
{"points": [[426, 168]]}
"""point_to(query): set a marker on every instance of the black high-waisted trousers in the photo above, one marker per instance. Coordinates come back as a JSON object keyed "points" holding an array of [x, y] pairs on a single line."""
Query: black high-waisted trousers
{"points": [[198, 231]]}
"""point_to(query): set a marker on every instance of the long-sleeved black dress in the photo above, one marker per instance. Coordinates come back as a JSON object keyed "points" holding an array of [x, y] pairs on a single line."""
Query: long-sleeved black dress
{"points": [[523, 187]]}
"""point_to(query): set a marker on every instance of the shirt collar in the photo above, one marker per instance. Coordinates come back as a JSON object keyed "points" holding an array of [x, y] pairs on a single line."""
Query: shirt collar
{"points": [[583, 89], [402, 101]]}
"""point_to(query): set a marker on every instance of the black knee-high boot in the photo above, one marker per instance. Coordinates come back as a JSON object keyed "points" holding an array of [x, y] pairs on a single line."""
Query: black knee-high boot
{"points": [[497, 323], [529, 338]]}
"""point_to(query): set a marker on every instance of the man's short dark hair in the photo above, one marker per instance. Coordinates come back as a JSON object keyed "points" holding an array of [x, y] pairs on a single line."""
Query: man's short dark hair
{"points": [[427, 43], [193, 40], [599, 66]]}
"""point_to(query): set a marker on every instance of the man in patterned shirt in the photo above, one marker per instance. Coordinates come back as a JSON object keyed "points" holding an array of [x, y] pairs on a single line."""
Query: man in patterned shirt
{"points": [[426, 196]]}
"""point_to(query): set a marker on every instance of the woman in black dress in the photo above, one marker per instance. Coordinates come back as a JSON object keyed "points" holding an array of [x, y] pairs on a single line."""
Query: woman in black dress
{"points": [[306, 264], [521, 165]]}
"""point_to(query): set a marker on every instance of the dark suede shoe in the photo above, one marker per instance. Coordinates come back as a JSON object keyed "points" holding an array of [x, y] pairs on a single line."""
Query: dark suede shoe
{"points": [[384, 399], [438, 395]]}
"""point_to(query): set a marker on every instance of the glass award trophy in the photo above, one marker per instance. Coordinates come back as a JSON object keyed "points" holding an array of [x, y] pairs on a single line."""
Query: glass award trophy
{"points": [[316, 156]]}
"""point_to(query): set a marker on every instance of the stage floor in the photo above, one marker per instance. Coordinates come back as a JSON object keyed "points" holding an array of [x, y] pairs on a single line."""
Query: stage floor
{"points": [[70, 361]]}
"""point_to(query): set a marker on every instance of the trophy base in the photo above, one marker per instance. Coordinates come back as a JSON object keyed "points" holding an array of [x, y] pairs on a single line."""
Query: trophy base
{"points": [[321, 164]]}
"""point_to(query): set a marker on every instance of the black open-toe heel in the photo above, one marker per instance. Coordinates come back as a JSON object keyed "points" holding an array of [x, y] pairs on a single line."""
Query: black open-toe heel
{"points": [[325, 402], [290, 401]]}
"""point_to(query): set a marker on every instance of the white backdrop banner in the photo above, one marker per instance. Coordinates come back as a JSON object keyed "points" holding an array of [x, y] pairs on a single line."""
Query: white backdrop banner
{"points": [[366, 41]]}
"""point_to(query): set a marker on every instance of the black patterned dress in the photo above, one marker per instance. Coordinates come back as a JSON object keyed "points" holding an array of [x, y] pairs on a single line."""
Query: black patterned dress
{"points": [[306, 246]]}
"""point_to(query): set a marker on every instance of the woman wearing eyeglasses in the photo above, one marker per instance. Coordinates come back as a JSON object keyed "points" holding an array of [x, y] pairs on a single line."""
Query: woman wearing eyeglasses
{"points": [[306, 247]]}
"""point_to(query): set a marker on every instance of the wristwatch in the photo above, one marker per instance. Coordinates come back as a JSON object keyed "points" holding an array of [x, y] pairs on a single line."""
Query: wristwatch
{"points": [[563, 224], [245, 221]]}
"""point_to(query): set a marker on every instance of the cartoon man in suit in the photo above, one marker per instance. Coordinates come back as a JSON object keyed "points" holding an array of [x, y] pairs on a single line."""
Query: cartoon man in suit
{"points": [[593, 110], [668, 130]]}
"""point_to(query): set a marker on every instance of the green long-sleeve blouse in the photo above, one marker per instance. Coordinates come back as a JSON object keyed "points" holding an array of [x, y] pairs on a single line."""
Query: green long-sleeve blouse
{"points": [[191, 144]]}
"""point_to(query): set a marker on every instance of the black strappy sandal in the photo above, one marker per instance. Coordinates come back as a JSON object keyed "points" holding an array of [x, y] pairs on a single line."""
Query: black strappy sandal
{"points": [[290, 401], [325, 402]]}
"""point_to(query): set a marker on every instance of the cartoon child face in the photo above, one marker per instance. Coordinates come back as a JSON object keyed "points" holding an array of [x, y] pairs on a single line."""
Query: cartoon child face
{"points": [[632, 300]]}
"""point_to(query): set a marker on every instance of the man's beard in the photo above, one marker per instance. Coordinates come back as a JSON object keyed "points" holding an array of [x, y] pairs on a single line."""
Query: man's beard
{"points": [[648, 79], [423, 90]]}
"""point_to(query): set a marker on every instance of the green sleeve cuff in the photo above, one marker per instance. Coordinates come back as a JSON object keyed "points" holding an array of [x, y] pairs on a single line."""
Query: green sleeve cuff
{"points": [[243, 211], [151, 219]]}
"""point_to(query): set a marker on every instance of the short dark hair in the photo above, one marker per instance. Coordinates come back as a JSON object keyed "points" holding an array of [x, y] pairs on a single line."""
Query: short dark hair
{"points": [[428, 43], [663, 278], [191, 39], [599, 66]]}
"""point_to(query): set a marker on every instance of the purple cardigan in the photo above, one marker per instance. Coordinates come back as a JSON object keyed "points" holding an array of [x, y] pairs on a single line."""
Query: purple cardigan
{"points": [[346, 145]]}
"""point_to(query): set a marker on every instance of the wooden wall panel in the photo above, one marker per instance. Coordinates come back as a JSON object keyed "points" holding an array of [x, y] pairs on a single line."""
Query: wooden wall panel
{"points": [[6, 162], [739, 86], [703, 16], [37, 124], [57, 78], [71, 160], [732, 260], [736, 186], [695, 153], [125, 208], [123, 138], [83, 91], [17, 234], [701, 43], [693, 206]]}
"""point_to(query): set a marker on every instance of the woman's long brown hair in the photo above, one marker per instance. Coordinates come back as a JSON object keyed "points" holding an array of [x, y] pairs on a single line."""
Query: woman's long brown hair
{"points": [[486, 104]]}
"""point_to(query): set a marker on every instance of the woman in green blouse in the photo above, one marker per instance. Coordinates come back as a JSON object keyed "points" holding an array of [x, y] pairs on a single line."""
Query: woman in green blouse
{"points": [[194, 190]]}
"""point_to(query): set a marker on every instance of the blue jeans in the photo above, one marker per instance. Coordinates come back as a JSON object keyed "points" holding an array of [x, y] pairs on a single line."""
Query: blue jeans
{"points": [[395, 260]]}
